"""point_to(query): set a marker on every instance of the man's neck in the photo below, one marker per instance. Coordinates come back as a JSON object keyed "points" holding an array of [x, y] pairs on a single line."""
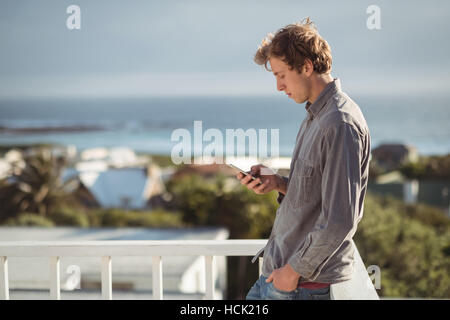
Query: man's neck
{"points": [[318, 84]]}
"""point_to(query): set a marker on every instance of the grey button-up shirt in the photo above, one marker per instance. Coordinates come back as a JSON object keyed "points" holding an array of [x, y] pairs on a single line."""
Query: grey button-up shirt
{"points": [[319, 213]]}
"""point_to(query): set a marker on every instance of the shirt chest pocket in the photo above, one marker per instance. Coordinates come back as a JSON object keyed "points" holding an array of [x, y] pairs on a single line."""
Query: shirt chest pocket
{"points": [[301, 185]]}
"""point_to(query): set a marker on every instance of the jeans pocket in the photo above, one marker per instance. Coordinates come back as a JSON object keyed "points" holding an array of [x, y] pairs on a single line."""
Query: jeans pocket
{"points": [[276, 294], [320, 294]]}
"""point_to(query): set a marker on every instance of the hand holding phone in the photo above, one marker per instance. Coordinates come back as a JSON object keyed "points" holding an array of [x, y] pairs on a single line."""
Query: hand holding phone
{"points": [[243, 172], [268, 180]]}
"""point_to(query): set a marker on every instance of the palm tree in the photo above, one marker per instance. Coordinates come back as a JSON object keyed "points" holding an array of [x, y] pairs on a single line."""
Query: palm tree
{"points": [[38, 187]]}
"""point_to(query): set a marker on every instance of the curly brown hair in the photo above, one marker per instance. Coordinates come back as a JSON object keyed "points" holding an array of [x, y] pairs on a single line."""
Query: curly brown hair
{"points": [[295, 43]]}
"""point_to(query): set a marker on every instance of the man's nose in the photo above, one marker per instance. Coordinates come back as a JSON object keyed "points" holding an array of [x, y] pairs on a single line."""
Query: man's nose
{"points": [[280, 86]]}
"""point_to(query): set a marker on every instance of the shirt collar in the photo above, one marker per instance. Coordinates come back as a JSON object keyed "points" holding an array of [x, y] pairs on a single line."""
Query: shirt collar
{"points": [[331, 88]]}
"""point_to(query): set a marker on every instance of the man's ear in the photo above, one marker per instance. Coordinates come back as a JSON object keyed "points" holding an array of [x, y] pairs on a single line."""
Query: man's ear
{"points": [[308, 67]]}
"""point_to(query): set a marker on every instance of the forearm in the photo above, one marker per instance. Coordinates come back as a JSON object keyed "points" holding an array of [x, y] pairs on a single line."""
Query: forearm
{"points": [[281, 184]]}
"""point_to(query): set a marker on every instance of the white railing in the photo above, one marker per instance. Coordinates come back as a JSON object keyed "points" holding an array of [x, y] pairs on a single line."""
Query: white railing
{"points": [[360, 287], [109, 249]]}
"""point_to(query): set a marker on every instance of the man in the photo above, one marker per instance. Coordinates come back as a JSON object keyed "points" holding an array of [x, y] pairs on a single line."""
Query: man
{"points": [[321, 202]]}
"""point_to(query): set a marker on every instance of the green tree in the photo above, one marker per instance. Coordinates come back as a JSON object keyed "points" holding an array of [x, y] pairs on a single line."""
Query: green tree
{"points": [[38, 187]]}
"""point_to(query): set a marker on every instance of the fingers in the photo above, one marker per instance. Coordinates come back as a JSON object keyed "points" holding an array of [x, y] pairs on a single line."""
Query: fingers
{"points": [[244, 179], [261, 188], [270, 278], [253, 183], [257, 185]]}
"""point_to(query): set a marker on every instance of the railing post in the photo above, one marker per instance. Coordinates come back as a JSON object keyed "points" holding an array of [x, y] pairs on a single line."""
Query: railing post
{"points": [[55, 287], [260, 265], [106, 278], [157, 278], [4, 286], [209, 274]]}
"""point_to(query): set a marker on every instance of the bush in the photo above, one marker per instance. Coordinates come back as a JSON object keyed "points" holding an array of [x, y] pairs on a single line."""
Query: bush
{"points": [[69, 217], [149, 219], [195, 197], [29, 220], [218, 202], [432, 167], [155, 219], [407, 246]]}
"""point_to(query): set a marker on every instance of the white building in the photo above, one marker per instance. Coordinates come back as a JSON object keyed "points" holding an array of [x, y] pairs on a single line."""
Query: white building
{"points": [[128, 188]]}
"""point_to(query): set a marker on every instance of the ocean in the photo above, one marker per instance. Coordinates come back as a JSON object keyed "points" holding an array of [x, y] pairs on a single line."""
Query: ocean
{"points": [[146, 124]]}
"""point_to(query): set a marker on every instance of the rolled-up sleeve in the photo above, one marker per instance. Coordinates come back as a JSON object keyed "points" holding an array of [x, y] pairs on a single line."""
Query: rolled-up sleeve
{"points": [[341, 153], [281, 195]]}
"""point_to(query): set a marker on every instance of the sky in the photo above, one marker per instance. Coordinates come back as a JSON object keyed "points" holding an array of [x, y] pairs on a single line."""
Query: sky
{"points": [[165, 48]]}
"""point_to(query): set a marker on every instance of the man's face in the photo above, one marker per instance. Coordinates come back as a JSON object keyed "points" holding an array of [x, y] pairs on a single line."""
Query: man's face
{"points": [[294, 84]]}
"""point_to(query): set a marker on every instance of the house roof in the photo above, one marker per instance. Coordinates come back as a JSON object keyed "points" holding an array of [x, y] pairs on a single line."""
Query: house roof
{"points": [[116, 187]]}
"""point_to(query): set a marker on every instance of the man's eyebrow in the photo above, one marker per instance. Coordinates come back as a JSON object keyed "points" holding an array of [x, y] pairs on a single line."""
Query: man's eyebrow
{"points": [[277, 73]]}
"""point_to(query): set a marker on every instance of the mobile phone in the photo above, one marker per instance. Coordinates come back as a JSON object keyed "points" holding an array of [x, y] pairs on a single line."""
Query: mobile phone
{"points": [[243, 172]]}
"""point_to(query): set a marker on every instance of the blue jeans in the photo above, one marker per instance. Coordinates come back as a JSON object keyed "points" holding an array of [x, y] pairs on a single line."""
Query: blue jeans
{"points": [[262, 290]]}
